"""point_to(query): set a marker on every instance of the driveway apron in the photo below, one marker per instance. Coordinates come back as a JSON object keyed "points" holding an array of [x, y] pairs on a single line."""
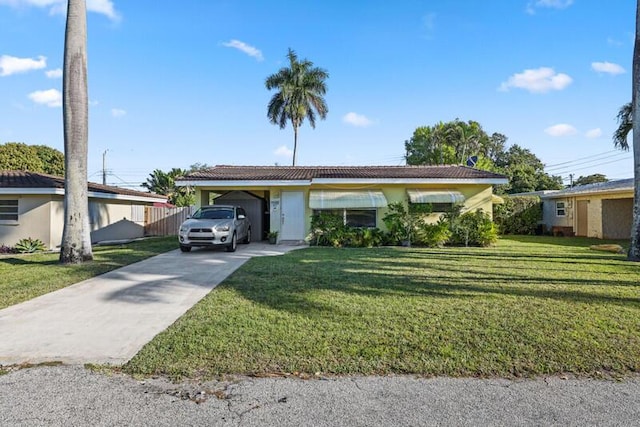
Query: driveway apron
{"points": [[107, 319]]}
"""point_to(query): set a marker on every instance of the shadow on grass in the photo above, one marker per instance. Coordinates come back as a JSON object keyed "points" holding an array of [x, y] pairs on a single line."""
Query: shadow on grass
{"points": [[389, 272]]}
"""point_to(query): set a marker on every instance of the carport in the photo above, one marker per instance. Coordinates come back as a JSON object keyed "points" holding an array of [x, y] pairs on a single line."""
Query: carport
{"points": [[254, 206]]}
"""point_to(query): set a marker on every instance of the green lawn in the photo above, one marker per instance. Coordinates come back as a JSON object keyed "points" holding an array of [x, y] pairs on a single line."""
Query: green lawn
{"points": [[528, 306], [24, 277]]}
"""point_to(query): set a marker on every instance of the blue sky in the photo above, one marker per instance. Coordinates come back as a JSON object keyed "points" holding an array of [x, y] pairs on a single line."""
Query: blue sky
{"points": [[177, 83]]}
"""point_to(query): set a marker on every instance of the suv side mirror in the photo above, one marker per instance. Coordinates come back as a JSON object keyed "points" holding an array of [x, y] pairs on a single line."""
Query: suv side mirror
{"points": [[241, 216]]}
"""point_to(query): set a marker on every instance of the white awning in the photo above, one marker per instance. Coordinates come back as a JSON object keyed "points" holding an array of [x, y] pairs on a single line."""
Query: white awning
{"points": [[497, 200], [431, 196], [329, 199]]}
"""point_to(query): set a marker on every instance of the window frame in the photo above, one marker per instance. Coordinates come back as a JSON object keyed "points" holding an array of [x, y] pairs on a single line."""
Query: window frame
{"points": [[344, 215], [560, 208], [16, 205]]}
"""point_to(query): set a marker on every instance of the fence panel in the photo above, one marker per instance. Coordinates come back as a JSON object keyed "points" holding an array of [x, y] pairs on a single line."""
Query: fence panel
{"points": [[161, 221]]}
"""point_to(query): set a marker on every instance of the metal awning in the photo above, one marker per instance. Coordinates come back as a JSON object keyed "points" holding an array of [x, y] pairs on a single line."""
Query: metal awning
{"points": [[432, 196], [497, 200], [329, 199]]}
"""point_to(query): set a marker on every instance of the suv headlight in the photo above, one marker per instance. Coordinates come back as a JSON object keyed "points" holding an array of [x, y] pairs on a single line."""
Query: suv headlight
{"points": [[222, 227], [183, 229]]}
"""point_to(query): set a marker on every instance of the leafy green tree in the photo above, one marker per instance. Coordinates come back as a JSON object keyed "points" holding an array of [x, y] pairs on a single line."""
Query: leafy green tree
{"points": [[52, 159], [20, 156], [300, 90], [451, 143], [525, 172], [590, 179], [160, 182], [76, 241]]}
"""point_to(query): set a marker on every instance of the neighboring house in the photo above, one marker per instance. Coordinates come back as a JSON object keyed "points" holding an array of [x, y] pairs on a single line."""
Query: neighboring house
{"points": [[32, 205], [602, 210], [283, 198]]}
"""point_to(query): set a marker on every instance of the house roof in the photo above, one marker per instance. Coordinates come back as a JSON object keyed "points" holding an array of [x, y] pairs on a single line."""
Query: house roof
{"points": [[16, 182], [310, 173], [600, 187]]}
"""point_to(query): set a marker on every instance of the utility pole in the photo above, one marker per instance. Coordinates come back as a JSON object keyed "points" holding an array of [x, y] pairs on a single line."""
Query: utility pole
{"points": [[104, 170]]}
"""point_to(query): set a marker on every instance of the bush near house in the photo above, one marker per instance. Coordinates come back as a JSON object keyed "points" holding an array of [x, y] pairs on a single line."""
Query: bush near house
{"points": [[518, 215]]}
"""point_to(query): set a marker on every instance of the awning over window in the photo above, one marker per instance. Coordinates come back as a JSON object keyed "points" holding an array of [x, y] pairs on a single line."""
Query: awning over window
{"points": [[329, 199], [497, 200], [429, 196]]}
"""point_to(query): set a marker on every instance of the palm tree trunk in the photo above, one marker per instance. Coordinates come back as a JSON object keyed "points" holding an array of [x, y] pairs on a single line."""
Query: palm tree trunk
{"points": [[634, 250], [295, 142], [76, 241]]}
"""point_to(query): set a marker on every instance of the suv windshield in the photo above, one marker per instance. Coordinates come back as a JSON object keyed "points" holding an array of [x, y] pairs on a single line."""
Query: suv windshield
{"points": [[220, 213]]}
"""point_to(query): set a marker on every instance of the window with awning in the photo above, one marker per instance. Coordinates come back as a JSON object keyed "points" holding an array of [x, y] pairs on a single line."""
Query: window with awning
{"points": [[328, 199], [435, 196]]}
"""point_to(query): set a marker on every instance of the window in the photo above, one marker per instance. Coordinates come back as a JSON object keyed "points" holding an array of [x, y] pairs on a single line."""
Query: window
{"points": [[560, 209], [361, 218], [430, 207], [8, 210]]}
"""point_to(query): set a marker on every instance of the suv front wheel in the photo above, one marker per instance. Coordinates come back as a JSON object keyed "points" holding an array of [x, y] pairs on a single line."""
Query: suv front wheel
{"points": [[231, 247]]}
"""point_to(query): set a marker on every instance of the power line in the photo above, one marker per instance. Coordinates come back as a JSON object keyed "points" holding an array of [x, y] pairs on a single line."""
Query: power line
{"points": [[561, 169], [581, 158]]}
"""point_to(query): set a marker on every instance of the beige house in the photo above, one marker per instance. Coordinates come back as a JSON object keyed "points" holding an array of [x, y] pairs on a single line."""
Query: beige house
{"points": [[32, 206], [283, 198], [602, 210]]}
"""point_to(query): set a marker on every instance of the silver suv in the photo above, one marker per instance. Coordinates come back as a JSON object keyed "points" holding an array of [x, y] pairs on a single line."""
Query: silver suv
{"points": [[216, 225]]}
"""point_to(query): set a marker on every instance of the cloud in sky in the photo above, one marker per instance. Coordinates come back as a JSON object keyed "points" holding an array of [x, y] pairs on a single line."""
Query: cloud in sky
{"points": [[118, 112], [561, 129], [50, 97], [539, 80], [104, 7], [54, 74], [429, 24], [14, 65], [283, 151], [551, 4], [593, 133], [608, 68], [355, 119], [245, 48]]}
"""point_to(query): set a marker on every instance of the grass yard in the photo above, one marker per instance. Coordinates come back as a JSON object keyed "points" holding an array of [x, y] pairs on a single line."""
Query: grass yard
{"points": [[528, 306], [27, 276]]}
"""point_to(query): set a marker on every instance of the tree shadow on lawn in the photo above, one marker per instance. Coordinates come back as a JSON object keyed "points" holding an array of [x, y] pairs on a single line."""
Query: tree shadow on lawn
{"points": [[26, 261], [576, 242], [298, 294]]}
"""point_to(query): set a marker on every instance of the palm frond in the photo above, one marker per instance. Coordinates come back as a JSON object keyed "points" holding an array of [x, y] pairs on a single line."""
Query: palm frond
{"points": [[625, 126]]}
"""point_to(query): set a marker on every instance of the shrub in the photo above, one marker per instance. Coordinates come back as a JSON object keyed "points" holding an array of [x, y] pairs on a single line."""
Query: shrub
{"points": [[433, 235], [401, 223], [329, 230], [4, 249], [518, 215], [472, 229], [29, 245]]}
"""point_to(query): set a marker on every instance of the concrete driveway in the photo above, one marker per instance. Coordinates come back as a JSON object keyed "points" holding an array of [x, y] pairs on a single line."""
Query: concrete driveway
{"points": [[107, 319]]}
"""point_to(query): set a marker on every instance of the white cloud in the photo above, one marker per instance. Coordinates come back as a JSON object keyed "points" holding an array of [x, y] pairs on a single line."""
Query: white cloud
{"points": [[593, 133], [613, 42], [356, 119], [118, 112], [607, 67], [283, 151], [243, 47], [561, 129], [553, 4], [429, 24], [104, 7], [14, 65], [540, 80], [50, 98], [54, 74]]}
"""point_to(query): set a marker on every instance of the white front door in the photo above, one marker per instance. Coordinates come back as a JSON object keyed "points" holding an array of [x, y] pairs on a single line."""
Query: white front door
{"points": [[292, 216]]}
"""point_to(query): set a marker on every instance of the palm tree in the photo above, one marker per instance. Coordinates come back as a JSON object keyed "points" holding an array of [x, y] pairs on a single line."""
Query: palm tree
{"points": [[160, 182], [634, 250], [76, 240], [625, 126], [301, 87]]}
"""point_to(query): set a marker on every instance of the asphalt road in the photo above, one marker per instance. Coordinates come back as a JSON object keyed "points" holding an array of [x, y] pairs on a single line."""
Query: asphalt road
{"points": [[74, 396]]}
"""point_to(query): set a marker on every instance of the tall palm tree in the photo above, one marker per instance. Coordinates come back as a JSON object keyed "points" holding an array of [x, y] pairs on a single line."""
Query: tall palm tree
{"points": [[634, 250], [625, 126], [76, 241], [300, 87]]}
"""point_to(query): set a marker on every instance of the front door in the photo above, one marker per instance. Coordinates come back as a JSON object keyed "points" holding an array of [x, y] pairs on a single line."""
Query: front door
{"points": [[292, 216], [582, 213]]}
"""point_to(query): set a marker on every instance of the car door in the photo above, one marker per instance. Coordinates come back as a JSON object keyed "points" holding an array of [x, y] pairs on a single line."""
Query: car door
{"points": [[241, 223]]}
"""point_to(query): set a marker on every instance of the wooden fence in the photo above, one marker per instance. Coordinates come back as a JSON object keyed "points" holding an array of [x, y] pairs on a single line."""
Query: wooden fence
{"points": [[160, 221]]}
